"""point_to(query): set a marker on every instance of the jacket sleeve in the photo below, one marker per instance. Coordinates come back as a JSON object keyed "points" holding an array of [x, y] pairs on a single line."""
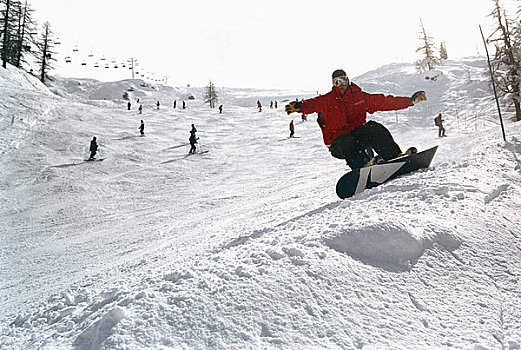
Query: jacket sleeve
{"points": [[380, 102], [313, 105]]}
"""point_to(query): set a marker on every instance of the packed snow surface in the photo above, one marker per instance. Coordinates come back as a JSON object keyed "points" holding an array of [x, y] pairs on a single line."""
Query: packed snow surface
{"points": [[246, 246]]}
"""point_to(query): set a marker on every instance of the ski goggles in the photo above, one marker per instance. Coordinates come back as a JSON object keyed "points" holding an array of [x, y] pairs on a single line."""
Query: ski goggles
{"points": [[343, 80]]}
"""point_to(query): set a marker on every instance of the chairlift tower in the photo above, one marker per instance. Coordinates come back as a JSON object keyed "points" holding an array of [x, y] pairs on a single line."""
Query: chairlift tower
{"points": [[133, 62]]}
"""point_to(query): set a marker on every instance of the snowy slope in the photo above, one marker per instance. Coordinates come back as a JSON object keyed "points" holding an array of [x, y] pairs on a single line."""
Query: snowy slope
{"points": [[247, 246]]}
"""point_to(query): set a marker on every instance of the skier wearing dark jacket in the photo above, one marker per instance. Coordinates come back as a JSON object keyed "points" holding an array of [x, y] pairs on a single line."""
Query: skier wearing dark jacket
{"points": [[342, 117], [193, 139], [439, 123], [93, 147]]}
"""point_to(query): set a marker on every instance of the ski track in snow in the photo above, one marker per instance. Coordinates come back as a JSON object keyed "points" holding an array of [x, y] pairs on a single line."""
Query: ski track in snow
{"points": [[247, 246]]}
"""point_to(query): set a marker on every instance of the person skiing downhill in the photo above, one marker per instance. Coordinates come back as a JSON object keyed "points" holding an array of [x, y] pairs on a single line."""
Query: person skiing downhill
{"points": [[93, 148], [291, 129], [193, 139], [142, 128], [342, 116]]}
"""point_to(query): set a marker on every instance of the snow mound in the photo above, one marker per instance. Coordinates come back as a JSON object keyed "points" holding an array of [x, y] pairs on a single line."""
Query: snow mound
{"points": [[388, 245], [15, 80], [385, 244]]}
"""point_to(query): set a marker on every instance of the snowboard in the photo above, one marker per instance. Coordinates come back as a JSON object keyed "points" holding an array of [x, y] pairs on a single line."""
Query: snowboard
{"points": [[94, 159], [358, 180]]}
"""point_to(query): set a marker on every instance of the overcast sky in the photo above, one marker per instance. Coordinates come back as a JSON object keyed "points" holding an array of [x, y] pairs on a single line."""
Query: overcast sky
{"points": [[265, 44]]}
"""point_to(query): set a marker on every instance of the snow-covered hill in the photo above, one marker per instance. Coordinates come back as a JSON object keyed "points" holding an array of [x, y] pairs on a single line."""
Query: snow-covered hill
{"points": [[247, 246]]}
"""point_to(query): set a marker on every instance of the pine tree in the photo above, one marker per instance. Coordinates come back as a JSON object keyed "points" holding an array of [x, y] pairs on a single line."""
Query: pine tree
{"points": [[443, 51], [506, 64], [211, 95], [429, 60]]}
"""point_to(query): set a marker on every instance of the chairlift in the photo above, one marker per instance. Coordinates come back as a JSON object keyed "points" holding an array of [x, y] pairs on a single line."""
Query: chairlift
{"points": [[116, 66], [96, 65], [84, 63], [68, 59], [91, 55], [75, 49], [103, 58], [107, 66]]}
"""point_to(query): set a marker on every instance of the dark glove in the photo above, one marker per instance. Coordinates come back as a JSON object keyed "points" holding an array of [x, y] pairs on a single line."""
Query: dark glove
{"points": [[293, 107], [418, 96]]}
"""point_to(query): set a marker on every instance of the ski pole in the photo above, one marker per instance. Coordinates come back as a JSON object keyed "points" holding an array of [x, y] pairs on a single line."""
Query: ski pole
{"points": [[493, 85]]}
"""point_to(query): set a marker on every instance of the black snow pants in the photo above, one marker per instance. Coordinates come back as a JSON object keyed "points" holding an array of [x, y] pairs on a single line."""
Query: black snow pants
{"points": [[353, 147]]}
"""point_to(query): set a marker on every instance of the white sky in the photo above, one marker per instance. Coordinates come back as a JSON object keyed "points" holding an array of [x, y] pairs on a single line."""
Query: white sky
{"points": [[265, 44]]}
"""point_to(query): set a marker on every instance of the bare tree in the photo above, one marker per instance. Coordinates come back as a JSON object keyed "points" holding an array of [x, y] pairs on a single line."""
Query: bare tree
{"points": [[5, 33], [25, 32], [17, 32], [46, 54], [429, 60], [506, 64]]}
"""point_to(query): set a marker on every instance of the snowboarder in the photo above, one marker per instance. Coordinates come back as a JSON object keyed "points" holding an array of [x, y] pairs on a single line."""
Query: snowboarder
{"points": [[175, 103], [275, 104], [142, 128], [93, 148], [140, 109], [184, 105], [342, 118], [291, 129], [157, 104], [259, 106], [129, 105], [271, 104], [220, 108], [193, 139], [439, 123]]}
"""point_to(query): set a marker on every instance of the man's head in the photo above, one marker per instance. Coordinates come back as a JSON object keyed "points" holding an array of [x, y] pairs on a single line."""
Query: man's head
{"points": [[340, 80]]}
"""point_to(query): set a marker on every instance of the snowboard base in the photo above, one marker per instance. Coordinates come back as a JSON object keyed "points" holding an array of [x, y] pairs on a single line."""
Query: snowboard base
{"points": [[356, 181]]}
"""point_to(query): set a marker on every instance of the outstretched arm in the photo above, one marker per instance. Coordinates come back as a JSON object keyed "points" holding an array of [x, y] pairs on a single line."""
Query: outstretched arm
{"points": [[380, 102]]}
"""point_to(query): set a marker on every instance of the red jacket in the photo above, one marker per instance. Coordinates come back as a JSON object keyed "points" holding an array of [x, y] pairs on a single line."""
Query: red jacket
{"points": [[344, 113]]}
